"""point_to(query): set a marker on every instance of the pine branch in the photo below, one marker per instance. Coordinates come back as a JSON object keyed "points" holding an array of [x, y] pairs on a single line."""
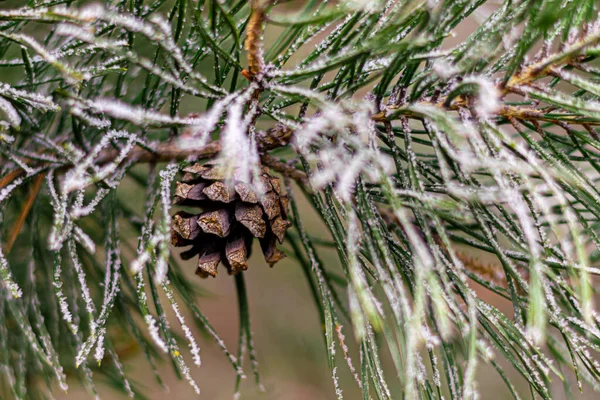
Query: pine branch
{"points": [[415, 151]]}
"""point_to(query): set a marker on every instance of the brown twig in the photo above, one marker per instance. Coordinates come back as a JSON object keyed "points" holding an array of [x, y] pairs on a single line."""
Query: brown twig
{"points": [[520, 113], [254, 37], [8, 178], [285, 169], [276, 137], [163, 152], [547, 66], [16, 228], [489, 272]]}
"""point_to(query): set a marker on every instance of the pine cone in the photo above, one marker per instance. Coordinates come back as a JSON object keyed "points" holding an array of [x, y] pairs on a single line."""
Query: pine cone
{"points": [[233, 214]]}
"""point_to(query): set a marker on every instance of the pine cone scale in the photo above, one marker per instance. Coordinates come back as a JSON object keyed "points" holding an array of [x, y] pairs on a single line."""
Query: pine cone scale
{"points": [[270, 203], [279, 226], [215, 222], [251, 217], [220, 191], [270, 250], [207, 264], [246, 193], [236, 254], [186, 225]]}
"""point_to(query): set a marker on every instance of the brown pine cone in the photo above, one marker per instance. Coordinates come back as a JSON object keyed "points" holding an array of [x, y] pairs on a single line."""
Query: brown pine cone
{"points": [[233, 214]]}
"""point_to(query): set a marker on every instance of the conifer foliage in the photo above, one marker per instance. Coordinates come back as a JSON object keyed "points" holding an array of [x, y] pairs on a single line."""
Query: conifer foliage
{"points": [[451, 148]]}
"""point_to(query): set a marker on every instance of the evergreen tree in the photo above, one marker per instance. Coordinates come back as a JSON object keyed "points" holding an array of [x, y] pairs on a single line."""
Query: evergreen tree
{"points": [[424, 154]]}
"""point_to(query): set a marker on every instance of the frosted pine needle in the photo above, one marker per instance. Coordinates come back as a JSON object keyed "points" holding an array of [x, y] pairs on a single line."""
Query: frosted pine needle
{"points": [[447, 152]]}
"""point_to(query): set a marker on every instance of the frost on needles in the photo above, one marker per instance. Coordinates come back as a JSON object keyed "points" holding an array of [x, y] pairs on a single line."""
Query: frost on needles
{"points": [[451, 149]]}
